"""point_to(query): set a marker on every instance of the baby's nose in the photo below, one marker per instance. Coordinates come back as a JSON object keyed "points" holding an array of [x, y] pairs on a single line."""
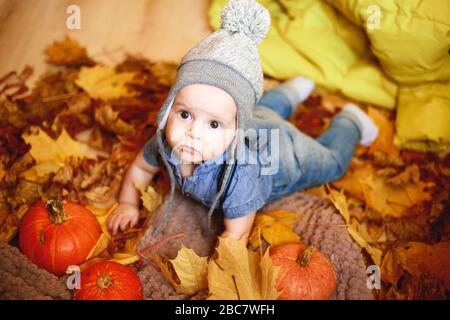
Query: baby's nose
{"points": [[195, 131]]}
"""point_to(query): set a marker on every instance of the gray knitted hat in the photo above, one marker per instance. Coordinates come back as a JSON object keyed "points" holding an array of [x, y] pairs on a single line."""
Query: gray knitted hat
{"points": [[227, 59]]}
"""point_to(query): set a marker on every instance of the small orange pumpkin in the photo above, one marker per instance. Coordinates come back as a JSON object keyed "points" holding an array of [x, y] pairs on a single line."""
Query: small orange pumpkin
{"points": [[305, 273], [55, 235], [109, 280]]}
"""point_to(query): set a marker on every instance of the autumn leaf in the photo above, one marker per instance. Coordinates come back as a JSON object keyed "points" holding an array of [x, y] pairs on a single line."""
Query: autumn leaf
{"points": [[102, 82], [390, 200], [109, 119], [390, 269], [150, 198], [2, 172], [127, 255], [190, 270], [289, 219], [276, 227], [384, 142], [67, 52], [165, 72], [268, 277], [341, 204], [277, 233], [393, 201], [418, 259], [9, 223], [241, 274], [411, 174], [101, 214], [374, 253], [100, 246], [50, 155], [124, 258]]}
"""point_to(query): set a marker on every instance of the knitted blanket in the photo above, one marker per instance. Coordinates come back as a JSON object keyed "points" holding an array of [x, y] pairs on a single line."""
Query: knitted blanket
{"points": [[21, 279], [313, 228]]}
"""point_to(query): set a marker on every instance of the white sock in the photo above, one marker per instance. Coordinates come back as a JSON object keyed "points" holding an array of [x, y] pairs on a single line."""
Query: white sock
{"points": [[301, 86], [369, 130]]}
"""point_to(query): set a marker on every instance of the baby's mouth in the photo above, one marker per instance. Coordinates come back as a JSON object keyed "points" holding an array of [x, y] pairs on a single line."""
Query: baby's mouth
{"points": [[187, 149]]}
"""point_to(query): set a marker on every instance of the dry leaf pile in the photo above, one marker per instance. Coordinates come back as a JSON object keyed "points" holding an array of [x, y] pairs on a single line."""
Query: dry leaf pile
{"points": [[73, 135], [395, 205]]}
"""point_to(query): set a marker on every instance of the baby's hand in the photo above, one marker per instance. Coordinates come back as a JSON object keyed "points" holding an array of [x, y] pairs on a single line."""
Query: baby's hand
{"points": [[123, 215]]}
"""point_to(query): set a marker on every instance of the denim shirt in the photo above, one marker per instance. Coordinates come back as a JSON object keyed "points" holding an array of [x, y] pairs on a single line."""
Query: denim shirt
{"points": [[247, 192]]}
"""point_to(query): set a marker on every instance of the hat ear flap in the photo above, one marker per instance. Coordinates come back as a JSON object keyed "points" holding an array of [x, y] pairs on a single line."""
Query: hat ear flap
{"points": [[163, 122]]}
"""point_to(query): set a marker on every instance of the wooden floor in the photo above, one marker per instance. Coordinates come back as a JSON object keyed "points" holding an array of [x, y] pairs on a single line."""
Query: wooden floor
{"points": [[157, 29]]}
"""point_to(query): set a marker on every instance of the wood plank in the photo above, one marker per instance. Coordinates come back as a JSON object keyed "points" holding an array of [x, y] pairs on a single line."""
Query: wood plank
{"points": [[156, 29]]}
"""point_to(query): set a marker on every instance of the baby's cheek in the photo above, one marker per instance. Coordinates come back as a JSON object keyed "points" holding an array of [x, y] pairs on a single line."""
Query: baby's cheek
{"points": [[174, 133], [214, 148]]}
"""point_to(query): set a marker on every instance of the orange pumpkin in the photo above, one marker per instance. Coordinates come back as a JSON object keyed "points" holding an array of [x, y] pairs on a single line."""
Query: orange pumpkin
{"points": [[305, 273], [55, 235], [108, 280]]}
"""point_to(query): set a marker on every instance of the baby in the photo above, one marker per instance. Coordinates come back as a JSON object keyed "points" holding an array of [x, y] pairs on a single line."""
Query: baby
{"points": [[226, 144]]}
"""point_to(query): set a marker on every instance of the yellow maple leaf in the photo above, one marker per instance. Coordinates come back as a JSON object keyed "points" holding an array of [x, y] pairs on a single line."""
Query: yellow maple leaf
{"points": [[50, 154], [150, 198], [340, 202], [267, 277], [223, 289], [102, 82], [239, 273], [374, 253], [124, 258], [276, 227], [389, 200], [102, 214], [100, 246], [277, 233], [127, 255], [289, 219], [191, 271]]}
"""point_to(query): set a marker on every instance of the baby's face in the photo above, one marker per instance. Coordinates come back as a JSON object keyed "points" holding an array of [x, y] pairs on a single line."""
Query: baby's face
{"points": [[201, 123]]}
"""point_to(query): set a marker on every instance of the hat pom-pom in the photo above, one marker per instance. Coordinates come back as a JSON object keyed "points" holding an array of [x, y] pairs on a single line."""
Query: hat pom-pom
{"points": [[247, 17]]}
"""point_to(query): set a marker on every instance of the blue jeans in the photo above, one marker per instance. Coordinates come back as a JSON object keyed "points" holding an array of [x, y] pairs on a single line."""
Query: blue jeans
{"points": [[305, 162]]}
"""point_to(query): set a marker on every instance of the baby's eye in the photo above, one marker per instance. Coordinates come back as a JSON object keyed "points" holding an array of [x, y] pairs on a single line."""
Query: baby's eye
{"points": [[214, 124], [185, 115]]}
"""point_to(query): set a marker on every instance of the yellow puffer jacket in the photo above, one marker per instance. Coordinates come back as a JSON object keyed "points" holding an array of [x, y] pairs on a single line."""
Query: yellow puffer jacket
{"points": [[382, 52], [410, 38]]}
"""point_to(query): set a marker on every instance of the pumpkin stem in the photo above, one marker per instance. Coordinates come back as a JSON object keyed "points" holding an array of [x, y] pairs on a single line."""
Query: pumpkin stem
{"points": [[304, 258], [56, 211], [104, 282]]}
